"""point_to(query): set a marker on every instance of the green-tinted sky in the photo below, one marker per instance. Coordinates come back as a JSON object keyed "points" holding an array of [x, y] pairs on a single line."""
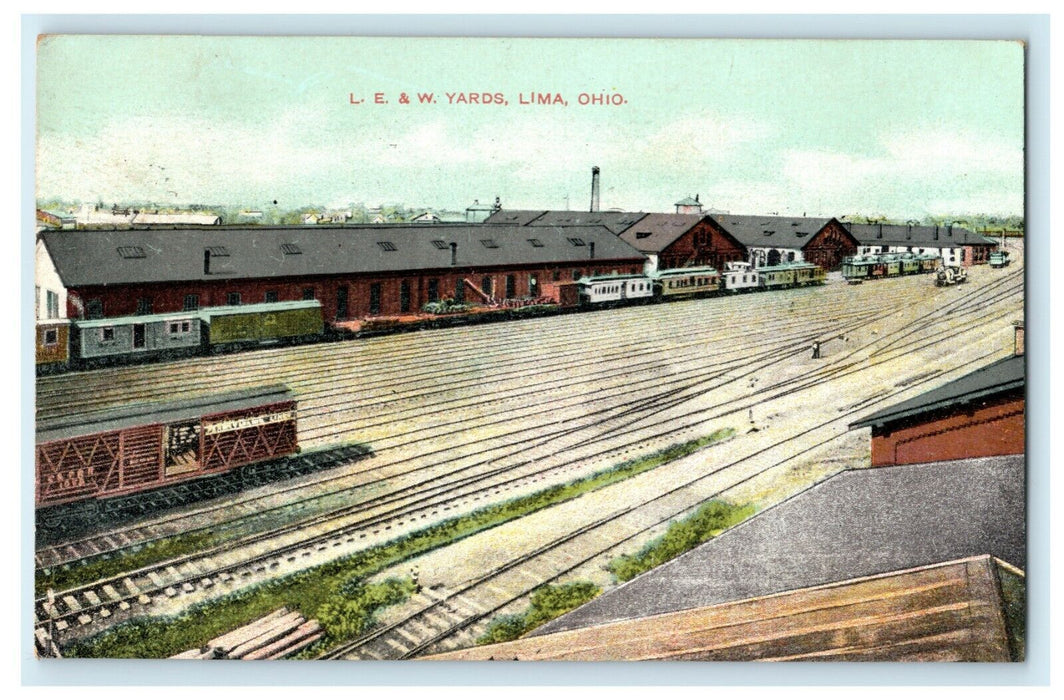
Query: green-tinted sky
{"points": [[897, 128]]}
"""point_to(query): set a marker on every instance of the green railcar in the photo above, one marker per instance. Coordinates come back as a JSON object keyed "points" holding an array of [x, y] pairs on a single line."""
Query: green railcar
{"points": [[262, 323]]}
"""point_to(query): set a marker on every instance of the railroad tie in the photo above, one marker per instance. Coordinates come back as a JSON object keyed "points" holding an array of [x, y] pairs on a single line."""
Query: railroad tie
{"points": [[84, 619], [110, 592], [130, 586], [170, 592], [104, 612], [155, 579], [72, 603], [206, 583], [187, 587], [92, 597]]}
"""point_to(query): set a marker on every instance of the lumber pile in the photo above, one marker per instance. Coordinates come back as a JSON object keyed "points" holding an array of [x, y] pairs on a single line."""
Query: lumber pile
{"points": [[279, 634]]}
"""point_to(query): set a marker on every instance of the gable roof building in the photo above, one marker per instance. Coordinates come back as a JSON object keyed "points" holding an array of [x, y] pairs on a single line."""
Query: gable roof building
{"points": [[615, 221], [771, 240], [956, 245]]}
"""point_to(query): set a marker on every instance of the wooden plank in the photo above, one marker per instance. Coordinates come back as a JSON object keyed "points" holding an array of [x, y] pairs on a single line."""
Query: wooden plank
{"points": [[288, 644], [227, 640], [283, 627]]}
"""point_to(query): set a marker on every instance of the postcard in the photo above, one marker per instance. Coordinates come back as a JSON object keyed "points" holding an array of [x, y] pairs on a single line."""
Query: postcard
{"points": [[529, 349]]}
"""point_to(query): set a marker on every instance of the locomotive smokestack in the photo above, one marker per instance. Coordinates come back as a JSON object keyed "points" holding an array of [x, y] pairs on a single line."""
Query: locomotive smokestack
{"points": [[206, 262], [594, 188], [454, 254]]}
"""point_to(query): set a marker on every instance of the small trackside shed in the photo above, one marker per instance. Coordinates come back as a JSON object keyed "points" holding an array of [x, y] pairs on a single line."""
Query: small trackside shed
{"points": [[978, 415], [771, 240], [672, 241], [138, 447]]}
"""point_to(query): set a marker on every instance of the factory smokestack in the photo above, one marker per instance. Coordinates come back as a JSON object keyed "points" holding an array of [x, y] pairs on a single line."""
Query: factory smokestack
{"points": [[594, 188]]}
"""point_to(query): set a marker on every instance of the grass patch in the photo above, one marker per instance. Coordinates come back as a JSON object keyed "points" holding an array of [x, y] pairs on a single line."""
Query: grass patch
{"points": [[78, 574], [548, 602], [703, 525], [307, 591]]}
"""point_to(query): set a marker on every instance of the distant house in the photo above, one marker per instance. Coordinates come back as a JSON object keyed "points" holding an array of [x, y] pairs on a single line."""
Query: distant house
{"points": [[771, 240], [955, 245], [978, 415], [176, 219], [682, 240], [426, 218], [689, 206], [477, 212]]}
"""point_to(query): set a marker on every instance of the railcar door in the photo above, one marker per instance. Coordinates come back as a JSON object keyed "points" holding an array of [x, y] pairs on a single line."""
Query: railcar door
{"points": [[138, 336]]}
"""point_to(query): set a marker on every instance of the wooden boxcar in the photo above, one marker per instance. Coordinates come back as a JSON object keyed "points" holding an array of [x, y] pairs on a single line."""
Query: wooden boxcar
{"points": [[259, 323], [140, 447], [53, 344], [686, 281], [130, 336]]}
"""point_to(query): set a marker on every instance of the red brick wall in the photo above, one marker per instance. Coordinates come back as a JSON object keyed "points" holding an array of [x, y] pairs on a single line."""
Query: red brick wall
{"points": [[829, 246], [704, 244], [121, 300], [993, 428]]}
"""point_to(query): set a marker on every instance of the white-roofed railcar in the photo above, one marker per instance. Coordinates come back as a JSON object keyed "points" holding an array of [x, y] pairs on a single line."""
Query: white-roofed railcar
{"points": [[614, 288], [740, 277]]}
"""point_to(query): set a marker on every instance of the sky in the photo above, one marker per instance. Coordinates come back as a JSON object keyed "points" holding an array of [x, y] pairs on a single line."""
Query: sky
{"points": [[903, 129]]}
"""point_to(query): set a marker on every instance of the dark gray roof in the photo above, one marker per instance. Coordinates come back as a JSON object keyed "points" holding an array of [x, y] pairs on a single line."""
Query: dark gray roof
{"points": [[771, 231], [515, 217], [167, 255], [921, 236], [615, 221], [656, 232], [132, 415], [1001, 377], [857, 523]]}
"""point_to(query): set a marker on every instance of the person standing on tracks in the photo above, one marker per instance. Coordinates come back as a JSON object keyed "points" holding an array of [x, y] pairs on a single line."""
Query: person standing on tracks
{"points": [[816, 349]]}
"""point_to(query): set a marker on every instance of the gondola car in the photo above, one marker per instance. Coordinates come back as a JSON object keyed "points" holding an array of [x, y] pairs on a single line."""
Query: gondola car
{"points": [[688, 281], [141, 447]]}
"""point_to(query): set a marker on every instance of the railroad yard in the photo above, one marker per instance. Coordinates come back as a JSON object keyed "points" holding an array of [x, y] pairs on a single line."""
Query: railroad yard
{"points": [[413, 430]]}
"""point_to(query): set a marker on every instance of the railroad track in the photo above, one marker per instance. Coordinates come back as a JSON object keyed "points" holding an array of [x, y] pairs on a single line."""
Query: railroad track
{"points": [[95, 549]]}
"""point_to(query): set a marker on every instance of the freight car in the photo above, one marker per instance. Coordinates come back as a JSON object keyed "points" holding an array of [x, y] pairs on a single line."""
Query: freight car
{"points": [[229, 326], [93, 342], [858, 268], [143, 447]]}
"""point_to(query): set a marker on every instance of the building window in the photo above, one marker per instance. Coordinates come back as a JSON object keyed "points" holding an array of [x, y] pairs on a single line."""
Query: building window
{"points": [[53, 305], [375, 298], [308, 293], [576, 275], [51, 337], [191, 302], [271, 297], [485, 286], [459, 290], [387, 246], [434, 290], [107, 334], [144, 306], [511, 286], [94, 308], [232, 298], [404, 296], [556, 275]]}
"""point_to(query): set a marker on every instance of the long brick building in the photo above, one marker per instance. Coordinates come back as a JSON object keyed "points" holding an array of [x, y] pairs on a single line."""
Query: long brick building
{"points": [[355, 272]]}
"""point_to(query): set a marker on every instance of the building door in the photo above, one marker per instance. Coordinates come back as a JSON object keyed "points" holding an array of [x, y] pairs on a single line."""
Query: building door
{"points": [[341, 302], [511, 286], [404, 296], [138, 336], [533, 286]]}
